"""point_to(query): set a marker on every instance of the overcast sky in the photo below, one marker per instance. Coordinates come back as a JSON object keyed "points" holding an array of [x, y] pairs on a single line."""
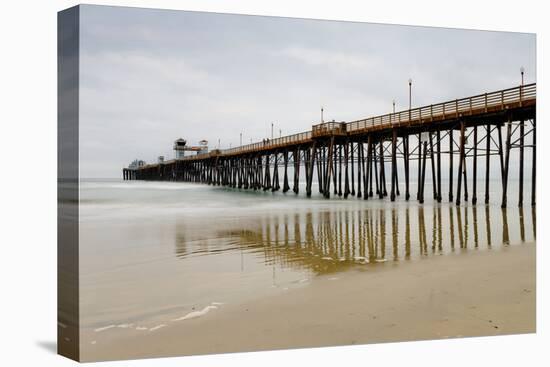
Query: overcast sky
{"points": [[151, 76]]}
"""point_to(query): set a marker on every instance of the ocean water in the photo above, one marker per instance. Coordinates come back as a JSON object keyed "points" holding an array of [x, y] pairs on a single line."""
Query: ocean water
{"points": [[152, 253]]}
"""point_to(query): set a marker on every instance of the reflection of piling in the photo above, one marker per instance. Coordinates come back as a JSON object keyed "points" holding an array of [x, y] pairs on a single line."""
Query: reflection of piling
{"points": [[466, 228], [460, 227], [394, 226], [439, 229], [407, 235], [505, 231], [488, 225], [452, 228], [382, 234], [534, 221], [476, 238], [329, 241], [422, 231], [521, 225], [434, 229]]}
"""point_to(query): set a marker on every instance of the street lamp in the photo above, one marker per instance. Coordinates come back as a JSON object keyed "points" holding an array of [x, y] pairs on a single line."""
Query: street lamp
{"points": [[410, 95], [241, 139], [272, 131], [322, 115], [522, 71], [280, 133], [393, 102]]}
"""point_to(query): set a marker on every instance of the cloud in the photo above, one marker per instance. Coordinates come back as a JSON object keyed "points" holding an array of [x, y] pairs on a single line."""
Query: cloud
{"points": [[151, 76], [329, 60]]}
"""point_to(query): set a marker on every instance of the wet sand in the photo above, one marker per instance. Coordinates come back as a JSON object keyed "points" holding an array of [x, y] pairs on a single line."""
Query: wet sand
{"points": [[473, 293]]}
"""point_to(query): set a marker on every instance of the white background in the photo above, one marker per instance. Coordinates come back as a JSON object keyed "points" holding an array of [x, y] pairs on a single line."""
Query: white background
{"points": [[28, 182]]}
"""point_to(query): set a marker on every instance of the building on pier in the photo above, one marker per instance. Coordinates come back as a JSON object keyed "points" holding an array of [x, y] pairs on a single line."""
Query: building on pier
{"points": [[136, 164], [180, 147]]}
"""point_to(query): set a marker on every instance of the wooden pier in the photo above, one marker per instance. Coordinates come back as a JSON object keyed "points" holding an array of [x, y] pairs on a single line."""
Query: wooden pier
{"points": [[351, 158]]}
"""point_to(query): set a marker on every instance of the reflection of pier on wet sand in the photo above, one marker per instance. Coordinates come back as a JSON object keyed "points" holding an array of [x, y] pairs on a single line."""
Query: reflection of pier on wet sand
{"points": [[331, 241], [478, 293]]}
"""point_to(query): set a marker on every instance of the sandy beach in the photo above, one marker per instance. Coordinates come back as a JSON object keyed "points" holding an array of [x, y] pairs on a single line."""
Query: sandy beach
{"points": [[468, 293]]}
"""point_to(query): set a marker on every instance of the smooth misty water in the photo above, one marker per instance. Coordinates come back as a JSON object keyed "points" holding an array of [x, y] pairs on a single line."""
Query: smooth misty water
{"points": [[152, 252]]}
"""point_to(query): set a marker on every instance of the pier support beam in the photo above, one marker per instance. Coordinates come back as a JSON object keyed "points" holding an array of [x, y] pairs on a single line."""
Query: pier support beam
{"points": [[346, 178], [352, 171], [451, 153], [329, 169], [286, 187], [275, 185], [474, 168], [375, 169], [267, 177], [432, 159], [359, 159], [296, 156], [407, 165], [319, 165], [487, 161], [393, 164], [419, 177], [438, 147], [423, 174], [382, 191], [340, 170], [371, 172], [534, 169], [311, 154], [521, 157], [506, 164], [383, 167], [460, 162], [335, 167], [368, 174], [501, 153]]}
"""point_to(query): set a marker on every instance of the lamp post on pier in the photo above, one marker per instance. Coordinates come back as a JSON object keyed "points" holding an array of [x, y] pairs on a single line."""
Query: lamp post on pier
{"points": [[522, 71], [410, 93]]}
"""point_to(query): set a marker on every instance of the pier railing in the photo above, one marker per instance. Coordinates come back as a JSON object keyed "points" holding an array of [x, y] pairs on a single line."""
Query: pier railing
{"points": [[464, 106], [270, 143]]}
